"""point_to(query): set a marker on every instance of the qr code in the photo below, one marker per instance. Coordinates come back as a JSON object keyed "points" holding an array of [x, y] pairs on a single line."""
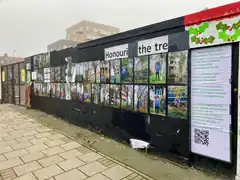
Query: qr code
{"points": [[201, 137]]}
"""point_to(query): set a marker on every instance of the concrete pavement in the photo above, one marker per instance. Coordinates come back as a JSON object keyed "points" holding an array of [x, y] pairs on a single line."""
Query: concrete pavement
{"points": [[31, 151]]}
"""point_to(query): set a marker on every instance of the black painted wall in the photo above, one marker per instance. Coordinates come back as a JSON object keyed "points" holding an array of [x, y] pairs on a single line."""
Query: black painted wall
{"points": [[168, 134]]}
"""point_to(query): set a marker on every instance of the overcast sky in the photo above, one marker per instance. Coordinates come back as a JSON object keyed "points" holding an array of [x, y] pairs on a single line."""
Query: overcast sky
{"points": [[28, 26]]}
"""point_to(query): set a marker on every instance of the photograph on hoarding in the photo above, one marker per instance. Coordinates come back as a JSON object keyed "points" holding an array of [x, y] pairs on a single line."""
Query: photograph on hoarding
{"points": [[57, 74], [177, 101], [87, 92], [79, 72], [58, 90], [127, 70], [43, 63], [80, 92], [47, 75], [44, 89], [63, 74], [157, 98], [158, 68], [115, 71], [39, 57], [105, 94], [48, 89], [67, 91], [73, 91], [104, 72], [62, 92], [127, 97], [141, 70], [39, 73], [70, 70], [37, 87], [52, 75], [141, 98], [53, 91], [92, 71], [40, 90], [177, 67], [96, 91], [36, 60], [87, 72], [98, 65], [114, 95]]}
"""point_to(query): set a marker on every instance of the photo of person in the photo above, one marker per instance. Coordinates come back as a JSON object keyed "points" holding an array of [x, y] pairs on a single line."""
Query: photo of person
{"points": [[57, 74], [80, 92], [36, 60], [141, 70], [98, 65], [96, 91], [158, 68], [62, 92], [157, 100], [79, 72], [63, 74], [58, 90], [127, 97], [87, 92], [127, 70], [115, 71], [40, 90], [177, 101], [48, 89], [177, 67], [141, 98], [67, 91], [53, 90], [104, 72], [73, 91], [87, 72], [105, 94], [114, 95]]}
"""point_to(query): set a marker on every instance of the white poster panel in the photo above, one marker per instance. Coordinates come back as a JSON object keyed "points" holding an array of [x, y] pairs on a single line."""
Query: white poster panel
{"points": [[116, 52], [238, 137], [210, 101], [153, 46]]}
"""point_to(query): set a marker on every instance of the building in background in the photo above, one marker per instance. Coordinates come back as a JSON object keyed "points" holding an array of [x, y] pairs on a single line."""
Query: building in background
{"points": [[82, 32], [5, 60], [61, 44]]}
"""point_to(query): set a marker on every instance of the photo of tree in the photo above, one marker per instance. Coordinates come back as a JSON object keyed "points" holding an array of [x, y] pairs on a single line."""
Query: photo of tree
{"points": [[44, 89], [104, 72], [52, 90], [79, 72], [87, 92], [141, 70], [158, 68], [62, 92], [96, 91], [157, 98], [44, 61], [67, 91], [105, 94], [114, 95], [127, 97], [177, 67], [115, 71], [177, 101], [73, 91], [127, 70], [57, 74], [141, 98], [80, 92], [98, 65], [58, 90], [87, 77]]}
